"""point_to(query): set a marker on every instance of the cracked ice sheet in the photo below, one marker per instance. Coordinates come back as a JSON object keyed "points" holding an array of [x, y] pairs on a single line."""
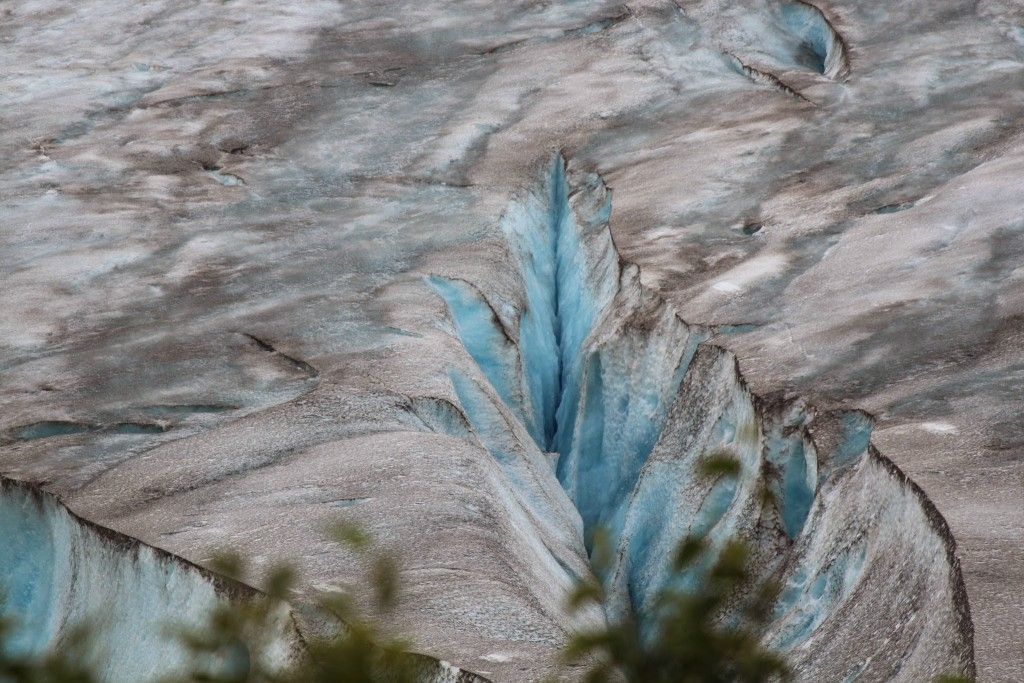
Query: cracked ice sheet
{"points": [[350, 186]]}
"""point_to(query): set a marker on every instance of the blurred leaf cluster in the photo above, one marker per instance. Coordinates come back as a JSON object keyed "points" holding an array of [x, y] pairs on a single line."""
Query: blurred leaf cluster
{"points": [[706, 629], [231, 648], [60, 666], [690, 638], [236, 642]]}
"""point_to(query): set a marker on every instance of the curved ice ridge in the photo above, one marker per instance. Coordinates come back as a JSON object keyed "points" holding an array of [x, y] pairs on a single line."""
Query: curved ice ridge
{"points": [[60, 571], [820, 45], [601, 370]]}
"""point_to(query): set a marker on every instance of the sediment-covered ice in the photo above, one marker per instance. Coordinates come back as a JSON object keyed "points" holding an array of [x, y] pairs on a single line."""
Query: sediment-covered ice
{"points": [[62, 576], [277, 354]]}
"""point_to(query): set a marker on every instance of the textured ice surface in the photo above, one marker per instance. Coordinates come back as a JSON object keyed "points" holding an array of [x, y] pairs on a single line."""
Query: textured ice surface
{"points": [[853, 237], [481, 333], [60, 573]]}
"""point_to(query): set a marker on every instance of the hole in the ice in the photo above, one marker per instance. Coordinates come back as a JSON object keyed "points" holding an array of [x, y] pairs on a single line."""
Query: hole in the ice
{"points": [[137, 428], [809, 27], [816, 44], [47, 429]]}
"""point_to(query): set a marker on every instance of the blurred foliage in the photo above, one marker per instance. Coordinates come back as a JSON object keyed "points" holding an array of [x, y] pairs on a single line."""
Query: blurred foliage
{"points": [[706, 629], [241, 640], [690, 637], [706, 626], [61, 666], [232, 648]]}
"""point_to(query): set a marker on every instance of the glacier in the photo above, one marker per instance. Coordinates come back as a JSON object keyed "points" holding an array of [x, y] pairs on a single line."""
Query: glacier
{"points": [[482, 279], [61, 574]]}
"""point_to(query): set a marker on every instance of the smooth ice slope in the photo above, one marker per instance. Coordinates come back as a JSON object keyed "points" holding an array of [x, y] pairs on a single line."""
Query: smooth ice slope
{"points": [[632, 399]]}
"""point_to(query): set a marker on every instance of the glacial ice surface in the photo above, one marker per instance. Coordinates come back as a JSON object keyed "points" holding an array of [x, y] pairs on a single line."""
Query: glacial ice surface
{"points": [[131, 277]]}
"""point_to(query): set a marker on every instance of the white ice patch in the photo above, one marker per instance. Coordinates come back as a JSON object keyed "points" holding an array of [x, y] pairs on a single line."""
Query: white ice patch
{"points": [[939, 427], [747, 273], [728, 287], [496, 657], [225, 178]]}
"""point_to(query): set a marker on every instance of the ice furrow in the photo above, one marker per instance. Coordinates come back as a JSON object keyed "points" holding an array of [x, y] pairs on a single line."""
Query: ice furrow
{"points": [[819, 46]]}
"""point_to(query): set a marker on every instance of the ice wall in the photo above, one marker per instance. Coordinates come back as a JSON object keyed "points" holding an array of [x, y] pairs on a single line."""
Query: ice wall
{"points": [[59, 572], [631, 399]]}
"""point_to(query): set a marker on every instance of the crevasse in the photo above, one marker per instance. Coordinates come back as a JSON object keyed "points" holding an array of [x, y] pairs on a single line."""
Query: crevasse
{"points": [[564, 296], [602, 372]]}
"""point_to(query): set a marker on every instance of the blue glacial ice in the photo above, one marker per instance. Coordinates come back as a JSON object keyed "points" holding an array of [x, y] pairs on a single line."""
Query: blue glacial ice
{"points": [[480, 331], [792, 455]]}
